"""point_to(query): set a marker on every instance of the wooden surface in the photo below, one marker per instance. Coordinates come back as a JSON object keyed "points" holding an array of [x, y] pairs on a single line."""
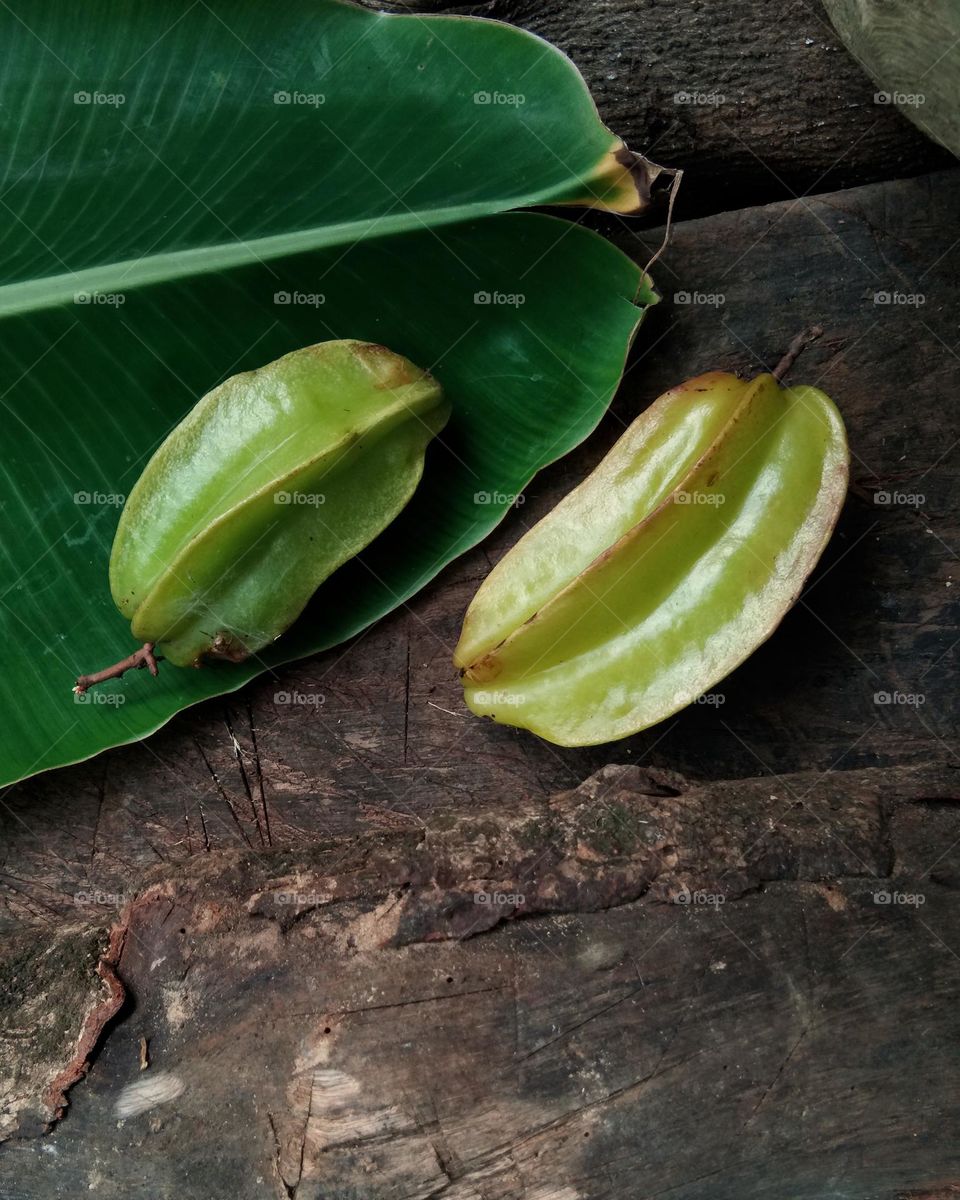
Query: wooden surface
{"points": [[721, 1003], [705, 997]]}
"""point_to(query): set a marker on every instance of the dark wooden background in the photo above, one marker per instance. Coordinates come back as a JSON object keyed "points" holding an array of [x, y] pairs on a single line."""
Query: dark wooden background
{"points": [[736, 971]]}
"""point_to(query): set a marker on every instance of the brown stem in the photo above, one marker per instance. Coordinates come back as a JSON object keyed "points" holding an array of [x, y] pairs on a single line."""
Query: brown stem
{"points": [[674, 188], [144, 657], [795, 349]]}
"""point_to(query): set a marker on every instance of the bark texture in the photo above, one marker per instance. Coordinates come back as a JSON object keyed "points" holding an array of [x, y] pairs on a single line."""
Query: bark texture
{"points": [[708, 979]]}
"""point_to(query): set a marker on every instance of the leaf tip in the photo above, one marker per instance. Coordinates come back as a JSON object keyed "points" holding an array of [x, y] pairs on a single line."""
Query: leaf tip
{"points": [[626, 182]]}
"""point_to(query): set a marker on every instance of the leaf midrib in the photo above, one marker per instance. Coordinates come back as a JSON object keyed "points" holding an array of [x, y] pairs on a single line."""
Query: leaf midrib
{"points": [[32, 295]]}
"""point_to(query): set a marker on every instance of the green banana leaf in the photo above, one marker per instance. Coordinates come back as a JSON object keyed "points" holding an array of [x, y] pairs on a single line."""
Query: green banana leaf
{"points": [[153, 139], [91, 389], [193, 189]]}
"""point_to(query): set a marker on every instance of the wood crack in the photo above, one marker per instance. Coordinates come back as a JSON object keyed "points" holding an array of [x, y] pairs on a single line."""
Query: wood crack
{"points": [[773, 1083]]}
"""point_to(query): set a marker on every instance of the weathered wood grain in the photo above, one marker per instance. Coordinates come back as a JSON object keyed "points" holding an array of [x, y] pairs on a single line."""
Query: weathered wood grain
{"points": [[741, 986]]}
